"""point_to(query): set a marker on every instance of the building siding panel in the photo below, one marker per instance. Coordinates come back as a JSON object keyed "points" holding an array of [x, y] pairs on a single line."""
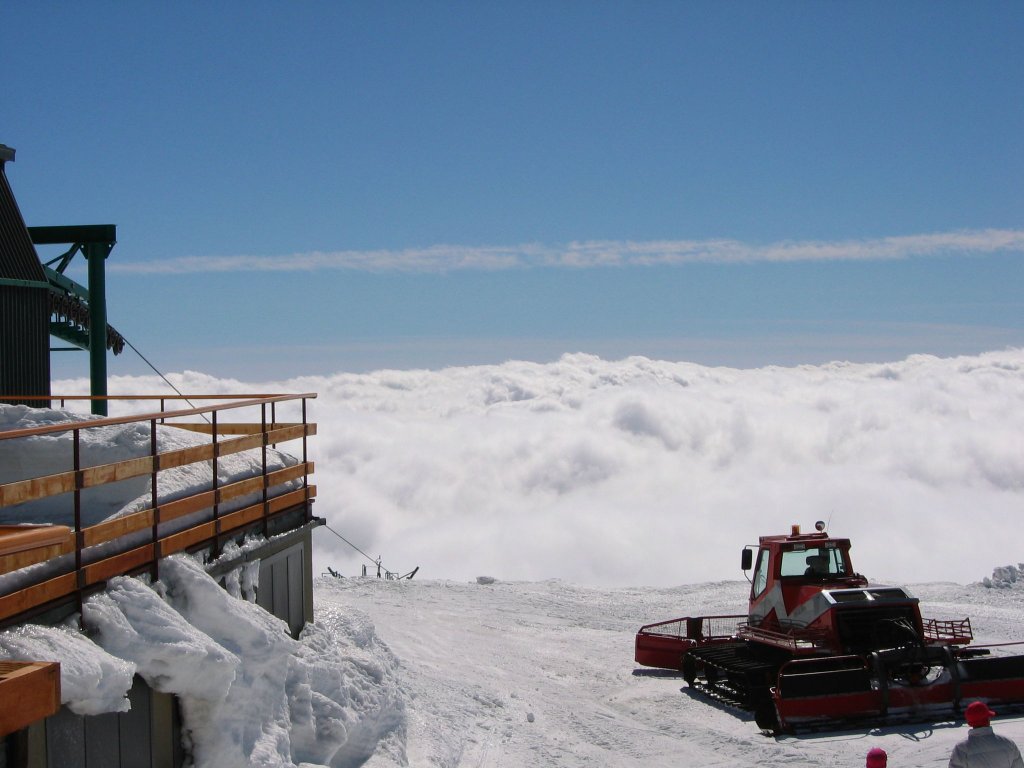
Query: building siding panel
{"points": [[24, 311]]}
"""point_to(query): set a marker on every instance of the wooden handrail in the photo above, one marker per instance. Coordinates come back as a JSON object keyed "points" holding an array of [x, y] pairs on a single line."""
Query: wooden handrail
{"points": [[258, 435], [159, 416], [171, 510], [34, 488], [248, 396]]}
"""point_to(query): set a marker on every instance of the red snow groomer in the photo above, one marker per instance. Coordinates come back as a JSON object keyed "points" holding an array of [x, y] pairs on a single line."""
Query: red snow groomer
{"points": [[821, 647]]}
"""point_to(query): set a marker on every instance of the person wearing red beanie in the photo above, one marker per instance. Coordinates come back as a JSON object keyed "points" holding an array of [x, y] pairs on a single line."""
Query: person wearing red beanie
{"points": [[876, 758], [984, 748]]}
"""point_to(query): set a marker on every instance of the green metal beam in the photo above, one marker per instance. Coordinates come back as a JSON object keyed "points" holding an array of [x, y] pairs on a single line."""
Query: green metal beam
{"points": [[96, 254], [58, 280], [70, 334], [96, 242], [23, 283], [75, 233], [64, 259]]}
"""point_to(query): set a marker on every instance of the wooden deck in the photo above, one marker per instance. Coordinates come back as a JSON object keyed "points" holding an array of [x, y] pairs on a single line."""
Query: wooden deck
{"points": [[255, 428], [35, 686]]}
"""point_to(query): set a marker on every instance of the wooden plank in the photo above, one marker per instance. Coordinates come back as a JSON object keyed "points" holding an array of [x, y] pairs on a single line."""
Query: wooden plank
{"points": [[36, 488], [64, 482], [184, 456], [229, 522], [118, 565], [176, 542], [28, 557], [255, 484], [17, 538], [115, 529], [239, 444], [287, 474], [112, 529], [232, 428], [241, 488], [172, 510], [291, 499], [35, 687], [285, 434], [241, 517], [197, 453], [260, 400], [31, 597], [101, 474]]}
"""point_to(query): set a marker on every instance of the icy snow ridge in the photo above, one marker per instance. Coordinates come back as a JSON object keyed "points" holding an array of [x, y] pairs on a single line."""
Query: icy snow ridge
{"points": [[1006, 577], [250, 694], [92, 681]]}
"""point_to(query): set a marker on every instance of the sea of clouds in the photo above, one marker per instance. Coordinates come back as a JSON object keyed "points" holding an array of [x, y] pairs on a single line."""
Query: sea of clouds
{"points": [[641, 471]]}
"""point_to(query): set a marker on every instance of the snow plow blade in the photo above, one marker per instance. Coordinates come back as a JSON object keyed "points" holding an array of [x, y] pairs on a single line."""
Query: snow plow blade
{"points": [[902, 685], [664, 643]]}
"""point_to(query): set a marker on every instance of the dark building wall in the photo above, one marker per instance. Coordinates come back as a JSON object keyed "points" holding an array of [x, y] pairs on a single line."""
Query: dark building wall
{"points": [[24, 310], [18, 257], [24, 344], [147, 736], [286, 588]]}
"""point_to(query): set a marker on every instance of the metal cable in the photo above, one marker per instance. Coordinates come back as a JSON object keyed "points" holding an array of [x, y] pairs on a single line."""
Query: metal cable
{"points": [[166, 380], [357, 549]]}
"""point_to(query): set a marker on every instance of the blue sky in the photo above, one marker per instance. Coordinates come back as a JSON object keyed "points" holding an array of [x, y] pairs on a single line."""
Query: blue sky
{"points": [[322, 186]]}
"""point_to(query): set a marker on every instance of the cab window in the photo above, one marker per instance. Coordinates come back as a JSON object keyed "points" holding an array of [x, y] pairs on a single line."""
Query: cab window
{"points": [[813, 561], [760, 580]]}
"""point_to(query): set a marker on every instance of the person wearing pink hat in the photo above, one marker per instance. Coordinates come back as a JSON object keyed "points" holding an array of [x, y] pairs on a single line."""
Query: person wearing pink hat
{"points": [[984, 748], [876, 758]]}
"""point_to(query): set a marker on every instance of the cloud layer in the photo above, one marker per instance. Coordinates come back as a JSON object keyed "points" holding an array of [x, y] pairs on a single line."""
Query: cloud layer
{"points": [[584, 255], [651, 472]]}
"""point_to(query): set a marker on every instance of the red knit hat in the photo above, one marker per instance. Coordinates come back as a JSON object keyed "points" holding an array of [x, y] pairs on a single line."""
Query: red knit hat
{"points": [[978, 714], [876, 758]]}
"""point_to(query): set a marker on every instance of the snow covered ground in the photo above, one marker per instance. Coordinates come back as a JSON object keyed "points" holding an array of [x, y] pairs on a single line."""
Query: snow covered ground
{"points": [[542, 673], [430, 673]]}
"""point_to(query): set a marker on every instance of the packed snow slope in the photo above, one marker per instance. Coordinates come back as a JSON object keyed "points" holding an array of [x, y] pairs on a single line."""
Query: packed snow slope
{"points": [[642, 471], [442, 674], [505, 675]]}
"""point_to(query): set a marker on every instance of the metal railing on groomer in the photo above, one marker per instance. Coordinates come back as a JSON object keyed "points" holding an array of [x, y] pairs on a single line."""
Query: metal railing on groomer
{"points": [[113, 545]]}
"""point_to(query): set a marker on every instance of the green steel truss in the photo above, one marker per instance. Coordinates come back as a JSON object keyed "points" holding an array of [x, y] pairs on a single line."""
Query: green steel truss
{"points": [[79, 314]]}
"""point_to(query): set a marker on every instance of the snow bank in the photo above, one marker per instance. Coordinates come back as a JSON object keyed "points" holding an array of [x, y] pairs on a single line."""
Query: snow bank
{"points": [[250, 694], [92, 681], [1006, 577], [130, 621]]}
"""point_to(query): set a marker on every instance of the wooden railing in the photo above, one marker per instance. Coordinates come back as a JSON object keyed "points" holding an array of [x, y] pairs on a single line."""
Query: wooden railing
{"points": [[226, 438]]}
